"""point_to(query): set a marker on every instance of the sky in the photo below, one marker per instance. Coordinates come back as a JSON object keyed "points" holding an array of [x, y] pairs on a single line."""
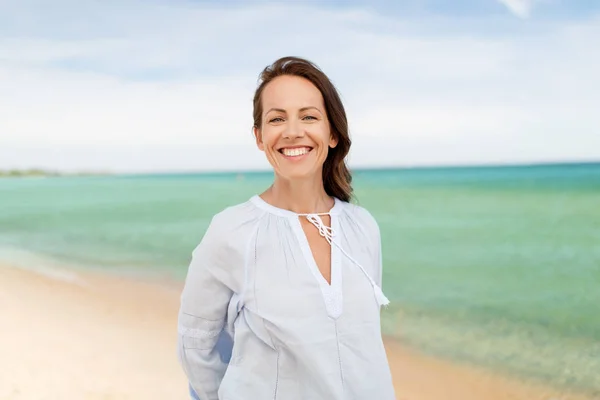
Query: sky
{"points": [[167, 86]]}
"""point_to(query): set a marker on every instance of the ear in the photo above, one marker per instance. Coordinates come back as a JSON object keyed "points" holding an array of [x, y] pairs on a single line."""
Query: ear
{"points": [[258, 138], [332, 141]]}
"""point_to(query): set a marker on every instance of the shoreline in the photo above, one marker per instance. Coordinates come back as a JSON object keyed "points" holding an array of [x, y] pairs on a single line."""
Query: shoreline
{"points": [[102, 336]]}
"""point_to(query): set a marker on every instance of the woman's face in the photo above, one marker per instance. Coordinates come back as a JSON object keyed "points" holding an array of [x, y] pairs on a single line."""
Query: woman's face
{"points": [[295, 134]]}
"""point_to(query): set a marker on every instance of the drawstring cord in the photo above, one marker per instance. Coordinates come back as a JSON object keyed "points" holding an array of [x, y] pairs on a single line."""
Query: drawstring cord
{"points": [[328, 234], [324, 230]]}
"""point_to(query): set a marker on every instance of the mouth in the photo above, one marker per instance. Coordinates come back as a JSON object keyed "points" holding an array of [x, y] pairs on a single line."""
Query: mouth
{"points": [[295, 152]]}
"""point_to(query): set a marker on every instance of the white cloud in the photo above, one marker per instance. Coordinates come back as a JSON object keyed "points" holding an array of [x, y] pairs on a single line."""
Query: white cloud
{"points": [[414, 95], [521, 8]]}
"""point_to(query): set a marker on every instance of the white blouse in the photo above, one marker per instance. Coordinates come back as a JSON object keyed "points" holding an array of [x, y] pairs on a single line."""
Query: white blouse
{"points": [[258, 320]]}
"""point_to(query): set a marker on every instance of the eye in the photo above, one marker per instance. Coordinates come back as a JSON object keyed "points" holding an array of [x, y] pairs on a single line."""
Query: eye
{"points": [[276, 119], [309, 117]]}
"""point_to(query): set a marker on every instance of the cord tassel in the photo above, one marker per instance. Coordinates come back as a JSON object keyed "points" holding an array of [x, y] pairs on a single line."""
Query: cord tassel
{"points": [[381, 299]]}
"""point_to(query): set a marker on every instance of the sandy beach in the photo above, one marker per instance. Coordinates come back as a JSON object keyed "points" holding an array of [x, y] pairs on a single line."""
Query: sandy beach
{"points": [[94, 336]]}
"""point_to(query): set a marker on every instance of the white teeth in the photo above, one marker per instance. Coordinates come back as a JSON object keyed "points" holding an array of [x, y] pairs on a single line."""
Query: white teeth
{"points": [[295, 152]]}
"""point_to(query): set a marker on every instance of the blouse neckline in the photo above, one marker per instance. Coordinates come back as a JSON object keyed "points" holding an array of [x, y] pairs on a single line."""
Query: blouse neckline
{"points": [[259, 202]]}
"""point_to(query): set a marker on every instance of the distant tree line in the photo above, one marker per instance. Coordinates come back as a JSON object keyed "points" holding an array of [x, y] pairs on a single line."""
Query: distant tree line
{"points": [[27, 172], [37, 172]]}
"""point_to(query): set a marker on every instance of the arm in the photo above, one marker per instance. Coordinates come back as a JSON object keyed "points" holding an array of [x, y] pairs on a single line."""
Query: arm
{"points": [[202, 314], [378, 255], [374, 233], [381, 298], [370, 227]]}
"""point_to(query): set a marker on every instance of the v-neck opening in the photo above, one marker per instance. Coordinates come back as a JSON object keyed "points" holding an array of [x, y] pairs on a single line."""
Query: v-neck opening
{"points": [[314, 260], [332, 292]]}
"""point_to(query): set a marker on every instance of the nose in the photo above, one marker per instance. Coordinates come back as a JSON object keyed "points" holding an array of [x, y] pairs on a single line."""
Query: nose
{"points": [[293, 130]]}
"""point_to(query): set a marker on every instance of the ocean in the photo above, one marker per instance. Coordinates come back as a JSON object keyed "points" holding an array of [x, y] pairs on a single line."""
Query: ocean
{"points": [[493, 266]]}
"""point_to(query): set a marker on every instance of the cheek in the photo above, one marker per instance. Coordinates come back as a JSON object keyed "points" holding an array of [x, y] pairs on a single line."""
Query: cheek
{"points": [[323, 136], [269, 135], [269, 141]]}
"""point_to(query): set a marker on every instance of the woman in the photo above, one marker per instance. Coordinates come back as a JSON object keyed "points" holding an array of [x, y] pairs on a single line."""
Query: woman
{"points": [[292, 275]]}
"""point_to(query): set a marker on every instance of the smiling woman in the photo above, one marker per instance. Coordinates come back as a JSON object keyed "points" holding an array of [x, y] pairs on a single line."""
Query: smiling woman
{"points": [[297, 109], [264, 313]]}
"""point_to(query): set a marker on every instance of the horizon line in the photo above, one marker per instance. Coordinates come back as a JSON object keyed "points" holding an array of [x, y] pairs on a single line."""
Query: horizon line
{"points": [[363, 168], [376, 168]]}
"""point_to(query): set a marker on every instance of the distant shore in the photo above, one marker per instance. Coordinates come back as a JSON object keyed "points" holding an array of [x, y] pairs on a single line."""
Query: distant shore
{"points": [[41, 173], [23, 173]]}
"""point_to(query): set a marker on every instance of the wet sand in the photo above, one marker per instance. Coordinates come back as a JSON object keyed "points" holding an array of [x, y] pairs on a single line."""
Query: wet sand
{"points": [[94, 336]]}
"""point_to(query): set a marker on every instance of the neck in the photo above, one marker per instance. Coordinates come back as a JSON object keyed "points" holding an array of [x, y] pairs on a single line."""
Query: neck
{"points": [[299, 196]]}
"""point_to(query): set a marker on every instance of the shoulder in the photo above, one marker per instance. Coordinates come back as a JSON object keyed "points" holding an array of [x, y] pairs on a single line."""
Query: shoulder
{"points": [[222, 249], [236, 216], [362, 217], [364, 228], [229, 227]]}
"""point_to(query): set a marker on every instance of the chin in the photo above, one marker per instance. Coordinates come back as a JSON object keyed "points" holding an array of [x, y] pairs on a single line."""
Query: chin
{"points": [[299, 173]]}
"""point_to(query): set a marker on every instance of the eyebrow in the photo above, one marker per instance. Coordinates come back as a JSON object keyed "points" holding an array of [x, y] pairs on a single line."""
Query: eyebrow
{"points": [[302, 109]]}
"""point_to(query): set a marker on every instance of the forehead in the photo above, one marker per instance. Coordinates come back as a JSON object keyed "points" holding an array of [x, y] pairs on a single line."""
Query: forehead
{"points": [[289, 92]]}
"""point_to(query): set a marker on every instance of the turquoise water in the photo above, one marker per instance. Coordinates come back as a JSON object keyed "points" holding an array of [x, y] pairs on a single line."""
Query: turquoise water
{"points": [[498, 266]]}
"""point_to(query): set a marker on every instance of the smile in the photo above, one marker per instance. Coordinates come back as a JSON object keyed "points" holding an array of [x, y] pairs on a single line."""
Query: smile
{"points": [[295, 151]]}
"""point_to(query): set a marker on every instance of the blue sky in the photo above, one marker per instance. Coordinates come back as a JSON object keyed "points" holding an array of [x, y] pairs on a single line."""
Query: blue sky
{"points": [[140, 86]]}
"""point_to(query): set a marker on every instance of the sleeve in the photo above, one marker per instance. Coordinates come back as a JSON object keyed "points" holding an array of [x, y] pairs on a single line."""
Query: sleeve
{"points": [[205, 298], [378, 251], [371, 227]]}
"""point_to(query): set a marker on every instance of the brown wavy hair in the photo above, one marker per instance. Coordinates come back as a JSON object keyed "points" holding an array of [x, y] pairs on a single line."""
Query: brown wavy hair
{"points": [[337, 178]]}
